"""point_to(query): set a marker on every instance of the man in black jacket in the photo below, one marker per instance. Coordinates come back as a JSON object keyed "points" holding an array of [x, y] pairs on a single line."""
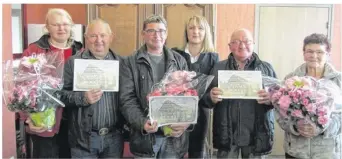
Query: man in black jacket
{"points": [[242, 124], [95, 121], [138, 73]]}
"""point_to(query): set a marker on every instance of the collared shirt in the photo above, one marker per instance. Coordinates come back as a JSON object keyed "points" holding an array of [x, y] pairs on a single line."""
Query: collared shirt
{"points": [[104, 109], [247, 62], [193, 59]]}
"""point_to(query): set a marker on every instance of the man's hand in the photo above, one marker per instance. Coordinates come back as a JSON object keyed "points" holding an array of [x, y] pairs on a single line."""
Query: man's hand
{"points": [[178, 129], [93, 95], [214, 95], [151, 127], [265, 97], [33, 128], [307, 129]]}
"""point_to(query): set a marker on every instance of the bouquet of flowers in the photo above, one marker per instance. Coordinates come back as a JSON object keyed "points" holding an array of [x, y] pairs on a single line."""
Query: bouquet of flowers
{"points": [[34, 87], [304, 98], [181, 83]]}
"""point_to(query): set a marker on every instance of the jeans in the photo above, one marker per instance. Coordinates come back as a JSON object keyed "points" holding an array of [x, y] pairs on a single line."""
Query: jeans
{"points": [[107, 146], [164, 148], [246, 152]]}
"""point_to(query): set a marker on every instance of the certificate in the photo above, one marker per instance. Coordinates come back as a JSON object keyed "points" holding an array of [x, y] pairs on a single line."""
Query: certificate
{"points": [[96, 74], [239, 84], [168, 110]]}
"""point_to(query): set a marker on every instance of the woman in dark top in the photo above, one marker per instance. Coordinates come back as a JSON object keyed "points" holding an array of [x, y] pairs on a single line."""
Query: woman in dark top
{"points": [[200, 55]]}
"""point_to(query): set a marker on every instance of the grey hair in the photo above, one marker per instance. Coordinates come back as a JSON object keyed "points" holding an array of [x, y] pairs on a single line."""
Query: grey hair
{"points": [[154, 19], [98, 20]]}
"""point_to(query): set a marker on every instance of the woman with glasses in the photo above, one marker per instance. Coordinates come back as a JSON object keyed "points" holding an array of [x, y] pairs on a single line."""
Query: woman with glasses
{"points": [[200, 55], [306, 140], [58, 37]]}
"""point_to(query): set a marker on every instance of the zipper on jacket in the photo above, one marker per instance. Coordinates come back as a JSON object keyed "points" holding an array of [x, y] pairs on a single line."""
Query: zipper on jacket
{"points": [[310, 155], [117, 104], [147, 108], [239, 126], [151, 141]]}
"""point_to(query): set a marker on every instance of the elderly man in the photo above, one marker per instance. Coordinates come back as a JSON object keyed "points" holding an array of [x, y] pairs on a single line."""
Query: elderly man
{"points": [[94, 117], [139, 72], [241, 124]]}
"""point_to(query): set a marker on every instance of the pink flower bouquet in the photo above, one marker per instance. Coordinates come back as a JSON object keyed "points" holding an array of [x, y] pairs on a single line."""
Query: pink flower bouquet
{"points": [[36, 85], [181, 83], [305, 98]]}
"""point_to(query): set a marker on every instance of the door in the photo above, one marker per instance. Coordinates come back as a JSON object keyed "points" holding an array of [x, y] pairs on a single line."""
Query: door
{"points": [[177, 15], [280, 31], [126, 21]]}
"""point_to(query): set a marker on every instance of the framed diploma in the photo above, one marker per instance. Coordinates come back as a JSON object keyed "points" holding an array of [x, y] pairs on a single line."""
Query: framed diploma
{"points": [[239, 84], [96, 74], [168, 110]]}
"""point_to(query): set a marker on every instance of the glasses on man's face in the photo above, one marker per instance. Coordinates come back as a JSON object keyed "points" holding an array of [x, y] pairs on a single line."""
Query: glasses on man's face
{"points": [[311, 52], [239, 42], [60, 25], [153, 32]]}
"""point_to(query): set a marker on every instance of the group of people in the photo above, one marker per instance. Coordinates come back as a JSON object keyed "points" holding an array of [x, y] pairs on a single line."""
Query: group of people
{"points": [[91, 124]]}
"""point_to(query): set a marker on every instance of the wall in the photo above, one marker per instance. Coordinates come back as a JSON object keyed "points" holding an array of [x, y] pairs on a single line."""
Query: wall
{"points": [[234, 16], [8, 126], [336, 37], [229, 18], [35, 13]]}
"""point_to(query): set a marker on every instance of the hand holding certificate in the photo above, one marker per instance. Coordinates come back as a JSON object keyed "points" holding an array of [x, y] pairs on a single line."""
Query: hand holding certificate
{"points": [[96, 74], [174, 100], [239, 84]]}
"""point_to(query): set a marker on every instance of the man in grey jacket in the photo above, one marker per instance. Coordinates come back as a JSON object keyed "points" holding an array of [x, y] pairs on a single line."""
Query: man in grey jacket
{"points": [[138, 73], [95, 121]]}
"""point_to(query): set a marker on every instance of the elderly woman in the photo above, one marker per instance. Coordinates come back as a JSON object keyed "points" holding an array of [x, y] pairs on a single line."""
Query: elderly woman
{"points": [[59, 36], [199, 52], [305, 140]]}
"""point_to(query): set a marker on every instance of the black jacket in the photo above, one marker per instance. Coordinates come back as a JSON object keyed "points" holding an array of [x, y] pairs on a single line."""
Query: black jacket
{"points": [[238, 114], [204, 64], [137, 80], [79, 112]]}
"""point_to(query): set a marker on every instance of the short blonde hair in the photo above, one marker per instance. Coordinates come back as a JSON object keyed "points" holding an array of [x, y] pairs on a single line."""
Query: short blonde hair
{"points": [[61, 12], [208, 45], [102, 22]]}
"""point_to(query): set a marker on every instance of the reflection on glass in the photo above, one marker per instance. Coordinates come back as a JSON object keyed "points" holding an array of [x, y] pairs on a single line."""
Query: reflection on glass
{"points": [[17, 30]]}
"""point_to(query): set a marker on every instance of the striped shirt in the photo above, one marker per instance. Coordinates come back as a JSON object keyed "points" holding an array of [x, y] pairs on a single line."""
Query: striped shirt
{"points": [[104, 111]]}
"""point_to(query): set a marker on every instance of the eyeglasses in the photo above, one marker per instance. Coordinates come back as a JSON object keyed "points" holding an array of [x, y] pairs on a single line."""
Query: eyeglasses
{"points": [[153, 32], [319, 52], [60, 25], [238, 42]]}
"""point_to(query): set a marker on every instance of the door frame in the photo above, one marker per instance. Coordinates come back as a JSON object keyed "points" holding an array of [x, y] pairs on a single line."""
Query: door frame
{"points": [[257, 18]]}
